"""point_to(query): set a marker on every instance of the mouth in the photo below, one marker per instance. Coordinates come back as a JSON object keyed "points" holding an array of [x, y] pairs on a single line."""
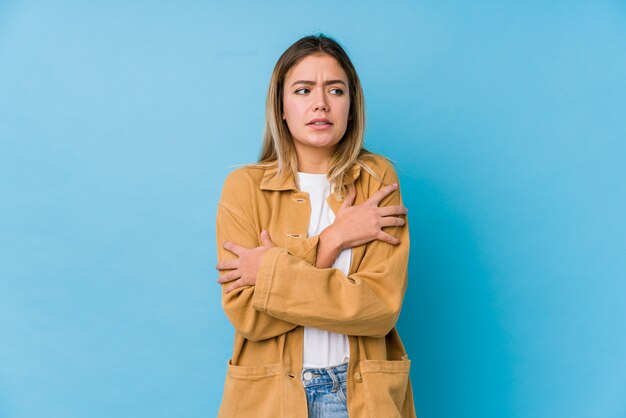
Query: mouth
{"points": [[319, 125], [319, 122]]}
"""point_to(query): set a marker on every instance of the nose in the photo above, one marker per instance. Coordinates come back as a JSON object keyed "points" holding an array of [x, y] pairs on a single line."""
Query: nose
{"points": [[320, 102]]}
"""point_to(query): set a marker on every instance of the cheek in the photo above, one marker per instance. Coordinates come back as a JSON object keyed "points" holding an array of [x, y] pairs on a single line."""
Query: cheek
{"points": [[345, 111], [293, 109]]}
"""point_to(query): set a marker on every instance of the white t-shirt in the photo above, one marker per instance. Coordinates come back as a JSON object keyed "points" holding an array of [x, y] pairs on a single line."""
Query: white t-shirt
{"points": [[323, 348]]}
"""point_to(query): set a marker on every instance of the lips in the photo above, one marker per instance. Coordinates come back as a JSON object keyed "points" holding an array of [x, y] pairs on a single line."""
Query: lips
{"points": [[320, 122]]}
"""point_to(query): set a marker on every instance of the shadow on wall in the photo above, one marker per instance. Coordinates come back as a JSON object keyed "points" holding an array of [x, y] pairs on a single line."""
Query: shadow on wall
{"points": [[450, 323]]}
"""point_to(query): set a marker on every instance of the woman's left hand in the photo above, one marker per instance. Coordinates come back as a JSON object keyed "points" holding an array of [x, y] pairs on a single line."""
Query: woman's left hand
{"points": [[244, 269]]}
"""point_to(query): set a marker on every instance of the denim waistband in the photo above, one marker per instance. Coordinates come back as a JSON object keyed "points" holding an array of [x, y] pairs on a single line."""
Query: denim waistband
{"points": [[324, 375]]}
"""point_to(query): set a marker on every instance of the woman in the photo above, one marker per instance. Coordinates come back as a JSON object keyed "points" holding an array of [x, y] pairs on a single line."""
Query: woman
{"points": [[311, 282]]}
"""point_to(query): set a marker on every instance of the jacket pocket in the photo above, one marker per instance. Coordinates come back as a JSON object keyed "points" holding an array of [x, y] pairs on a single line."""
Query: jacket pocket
{"points": [[252, 391], [385, 383]]}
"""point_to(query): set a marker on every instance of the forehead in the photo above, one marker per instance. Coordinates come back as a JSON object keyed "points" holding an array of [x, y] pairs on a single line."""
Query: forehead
{"points": [[313, 66]]}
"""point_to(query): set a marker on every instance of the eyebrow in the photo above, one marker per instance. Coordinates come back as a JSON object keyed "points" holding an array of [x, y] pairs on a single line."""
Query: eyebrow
{"points": [[309, 82]]}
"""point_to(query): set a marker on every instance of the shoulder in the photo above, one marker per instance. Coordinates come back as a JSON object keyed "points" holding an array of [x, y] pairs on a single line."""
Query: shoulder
{"points": [[382, 167], [245, 176], [241, 183], [383, 173]]}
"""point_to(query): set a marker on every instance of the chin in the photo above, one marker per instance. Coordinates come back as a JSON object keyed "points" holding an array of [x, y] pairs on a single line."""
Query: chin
{"points": [[318, 141], [322, 140], [322, 144]]}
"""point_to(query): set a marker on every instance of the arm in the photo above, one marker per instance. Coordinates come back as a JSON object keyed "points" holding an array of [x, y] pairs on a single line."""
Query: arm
{"points": [[357, 225], [353, 226], [366, 302], [250, 323]]}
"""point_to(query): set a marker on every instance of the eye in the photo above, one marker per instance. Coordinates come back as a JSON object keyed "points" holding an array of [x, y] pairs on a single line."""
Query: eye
{"points": [[300, 90], [339, 91]]}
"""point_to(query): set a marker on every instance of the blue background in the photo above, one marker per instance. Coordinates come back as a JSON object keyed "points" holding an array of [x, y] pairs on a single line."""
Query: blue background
{"points": [[120, 120]]}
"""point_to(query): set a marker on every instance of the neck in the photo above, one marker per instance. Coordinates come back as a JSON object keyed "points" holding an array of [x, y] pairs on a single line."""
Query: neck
{"points": [[313, 160]]}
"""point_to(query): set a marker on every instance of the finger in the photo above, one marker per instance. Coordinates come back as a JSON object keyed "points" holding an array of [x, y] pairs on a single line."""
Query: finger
{"points": [[227, 264], [233, 248], [382, 193], [391, 221], [392, 210], [266, 240], [383, 236], [239, 283], [229, 277], [349, 200]]}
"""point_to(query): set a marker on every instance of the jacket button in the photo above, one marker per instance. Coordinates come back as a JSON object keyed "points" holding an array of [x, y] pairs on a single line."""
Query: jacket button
{"points": [[358, 377]]}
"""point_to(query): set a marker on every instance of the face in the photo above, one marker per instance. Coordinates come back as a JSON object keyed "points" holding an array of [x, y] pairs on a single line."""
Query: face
{"points": [[316, 88]]}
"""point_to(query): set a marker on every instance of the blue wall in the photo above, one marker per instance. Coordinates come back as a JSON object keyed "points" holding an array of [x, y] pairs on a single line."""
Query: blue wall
{"points": [[119, 121]]}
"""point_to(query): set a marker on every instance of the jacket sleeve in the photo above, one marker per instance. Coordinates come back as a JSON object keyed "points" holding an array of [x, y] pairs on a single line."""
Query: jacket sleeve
{"points": [[233, 225], [366, 302], [250, 323]]}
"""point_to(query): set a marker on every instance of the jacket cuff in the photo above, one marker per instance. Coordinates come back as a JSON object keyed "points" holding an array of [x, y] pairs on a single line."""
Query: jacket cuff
{"points": [[305, 249], [261, 296]]}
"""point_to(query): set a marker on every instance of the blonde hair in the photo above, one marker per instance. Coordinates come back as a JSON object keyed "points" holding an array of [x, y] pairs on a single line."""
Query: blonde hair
{"points": [[278, 149]]}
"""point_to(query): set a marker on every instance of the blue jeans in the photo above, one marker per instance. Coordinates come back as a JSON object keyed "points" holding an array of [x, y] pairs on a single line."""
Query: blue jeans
{"points": [[326, 391]]}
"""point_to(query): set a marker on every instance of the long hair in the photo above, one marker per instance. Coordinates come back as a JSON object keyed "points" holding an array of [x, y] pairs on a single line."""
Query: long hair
{"points": [[278, 149]]}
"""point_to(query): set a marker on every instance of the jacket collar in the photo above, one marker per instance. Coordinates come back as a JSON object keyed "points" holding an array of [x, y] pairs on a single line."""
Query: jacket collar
{"points": [[286, 181]]}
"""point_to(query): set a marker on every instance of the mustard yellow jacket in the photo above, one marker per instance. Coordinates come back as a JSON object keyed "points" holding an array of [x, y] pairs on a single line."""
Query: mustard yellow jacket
{"points": [[263, 375]]}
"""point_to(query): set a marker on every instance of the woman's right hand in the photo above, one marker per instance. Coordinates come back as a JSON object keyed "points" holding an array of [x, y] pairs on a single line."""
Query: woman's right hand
{"points": [[360, 224]]}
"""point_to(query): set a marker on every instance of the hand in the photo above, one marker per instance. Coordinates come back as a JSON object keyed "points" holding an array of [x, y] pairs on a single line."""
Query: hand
{"points": [[244, 270], [360, 224]]}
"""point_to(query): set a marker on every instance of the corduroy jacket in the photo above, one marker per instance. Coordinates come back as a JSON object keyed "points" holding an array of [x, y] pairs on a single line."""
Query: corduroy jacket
{"points": [[263, 374]]}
